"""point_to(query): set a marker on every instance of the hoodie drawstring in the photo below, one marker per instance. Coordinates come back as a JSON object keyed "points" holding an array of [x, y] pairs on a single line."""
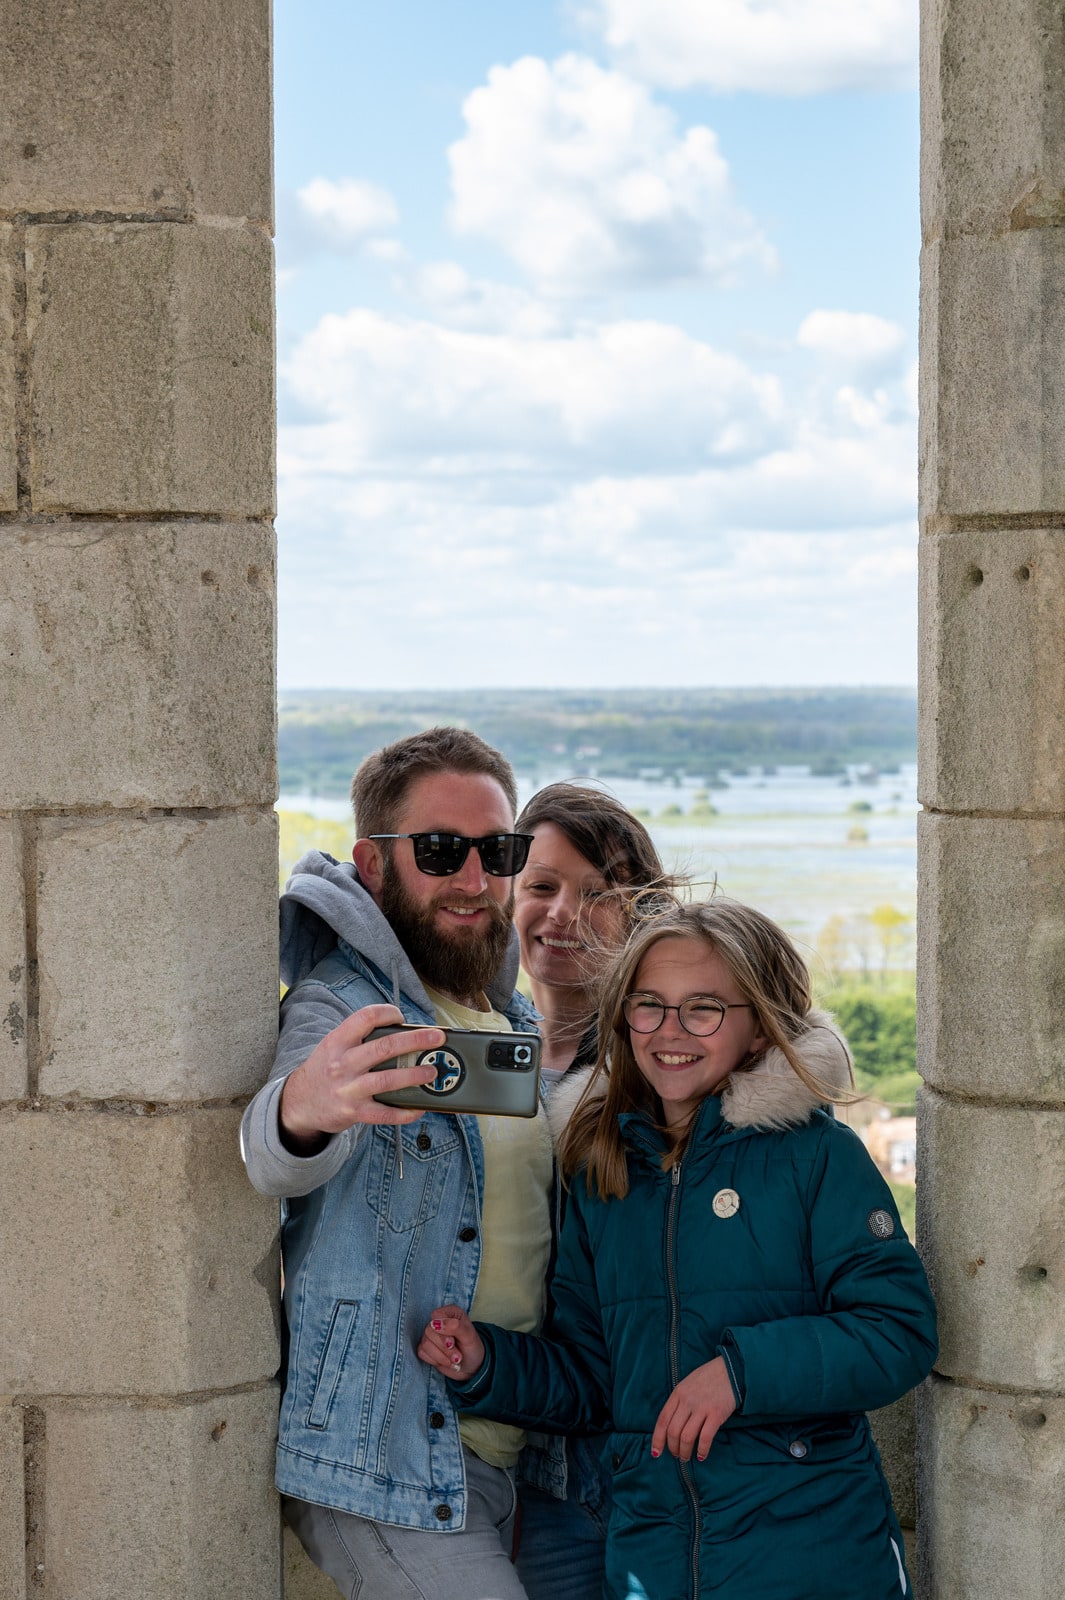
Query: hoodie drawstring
{"points": [[397, 1131]]}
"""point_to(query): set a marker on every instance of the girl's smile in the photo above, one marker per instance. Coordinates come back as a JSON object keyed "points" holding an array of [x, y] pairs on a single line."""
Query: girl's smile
{"points": [[683, 1068]]}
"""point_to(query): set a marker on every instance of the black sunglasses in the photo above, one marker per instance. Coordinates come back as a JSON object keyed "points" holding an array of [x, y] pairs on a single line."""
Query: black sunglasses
{"points": [[442, 854]]}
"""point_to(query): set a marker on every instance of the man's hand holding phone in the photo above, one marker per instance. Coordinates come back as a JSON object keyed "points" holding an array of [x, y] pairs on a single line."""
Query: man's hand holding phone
{"points": [[333, 1089]]}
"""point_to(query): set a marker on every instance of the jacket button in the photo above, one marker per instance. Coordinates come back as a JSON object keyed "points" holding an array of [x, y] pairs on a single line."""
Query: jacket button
{"points": [[466, 1235], [424, 1142], [443, 1513], [797, 1449], [436, 1419]]}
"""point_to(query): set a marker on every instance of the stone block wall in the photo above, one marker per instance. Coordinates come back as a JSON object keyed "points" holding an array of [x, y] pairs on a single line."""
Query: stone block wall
{"points": [[138, 960], [991, 861]]}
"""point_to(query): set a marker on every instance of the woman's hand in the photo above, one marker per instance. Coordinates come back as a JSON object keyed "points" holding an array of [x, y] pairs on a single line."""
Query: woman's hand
{"points": [[695, 1410], [452, 1344]]}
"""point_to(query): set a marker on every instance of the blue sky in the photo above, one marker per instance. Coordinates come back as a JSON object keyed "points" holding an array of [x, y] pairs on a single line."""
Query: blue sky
{"points": [[597, 342]]}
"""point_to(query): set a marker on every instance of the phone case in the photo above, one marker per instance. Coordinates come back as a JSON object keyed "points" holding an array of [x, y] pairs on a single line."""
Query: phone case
{"points": [[494, 1073]]}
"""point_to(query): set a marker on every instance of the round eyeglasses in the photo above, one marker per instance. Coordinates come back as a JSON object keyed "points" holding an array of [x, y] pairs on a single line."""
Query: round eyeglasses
{"points": [[700, 1016]]}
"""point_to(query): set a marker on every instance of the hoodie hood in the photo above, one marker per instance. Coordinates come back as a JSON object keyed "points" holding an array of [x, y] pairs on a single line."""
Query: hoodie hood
{"points": [[767, 1095], [325, 902]]}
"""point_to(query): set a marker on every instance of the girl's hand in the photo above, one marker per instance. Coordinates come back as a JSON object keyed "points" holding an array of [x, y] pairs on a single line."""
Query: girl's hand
{"points": [[452, 1344], [695, 1410]]}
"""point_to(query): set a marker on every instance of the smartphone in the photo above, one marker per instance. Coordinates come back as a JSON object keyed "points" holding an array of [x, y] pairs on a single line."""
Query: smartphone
{"points": [[495, 1073]]}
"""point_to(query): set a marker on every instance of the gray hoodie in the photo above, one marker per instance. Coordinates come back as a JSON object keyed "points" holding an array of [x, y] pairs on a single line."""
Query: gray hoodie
{"points": [[338, 953]]}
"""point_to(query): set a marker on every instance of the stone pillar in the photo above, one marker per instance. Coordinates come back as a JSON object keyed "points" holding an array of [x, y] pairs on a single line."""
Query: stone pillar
{"points": [[991, 955], [138, 977]]}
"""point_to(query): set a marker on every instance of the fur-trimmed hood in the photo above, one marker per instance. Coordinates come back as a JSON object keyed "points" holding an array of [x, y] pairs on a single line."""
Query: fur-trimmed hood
{"points": [[766, 1095]]}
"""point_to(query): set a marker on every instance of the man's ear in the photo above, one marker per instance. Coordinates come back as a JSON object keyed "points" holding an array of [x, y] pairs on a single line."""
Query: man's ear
{"points": [[368, 860]]}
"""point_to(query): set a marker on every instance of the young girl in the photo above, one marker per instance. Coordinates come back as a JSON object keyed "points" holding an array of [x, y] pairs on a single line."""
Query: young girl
{"points": [[734, 1288]]}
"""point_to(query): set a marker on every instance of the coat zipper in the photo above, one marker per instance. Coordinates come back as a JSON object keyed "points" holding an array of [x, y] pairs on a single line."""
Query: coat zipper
{"points": [[674, 1361]]}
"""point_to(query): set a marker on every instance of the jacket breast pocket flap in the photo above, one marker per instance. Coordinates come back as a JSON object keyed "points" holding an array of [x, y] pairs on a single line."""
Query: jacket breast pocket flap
{"points": [[407, 1194], [802, 1444]]}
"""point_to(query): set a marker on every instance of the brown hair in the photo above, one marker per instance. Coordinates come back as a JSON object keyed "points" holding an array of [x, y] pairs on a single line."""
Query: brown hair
{"points": [[383, 781], [600, 829], [769, 973]]}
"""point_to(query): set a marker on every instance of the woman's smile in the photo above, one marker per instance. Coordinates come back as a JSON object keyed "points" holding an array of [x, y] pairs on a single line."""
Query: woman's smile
{"points": [[563, 911]]}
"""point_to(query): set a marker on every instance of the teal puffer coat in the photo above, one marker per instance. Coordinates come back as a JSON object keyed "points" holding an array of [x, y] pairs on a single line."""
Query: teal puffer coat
{"points": [[781, 1249]]}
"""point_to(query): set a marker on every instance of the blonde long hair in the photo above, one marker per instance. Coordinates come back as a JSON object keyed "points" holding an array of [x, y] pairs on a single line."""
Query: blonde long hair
{"points": [[770, 975]]}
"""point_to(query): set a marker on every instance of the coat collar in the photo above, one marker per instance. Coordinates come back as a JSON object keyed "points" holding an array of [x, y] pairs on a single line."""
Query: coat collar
{"points": [[770, 1095]]}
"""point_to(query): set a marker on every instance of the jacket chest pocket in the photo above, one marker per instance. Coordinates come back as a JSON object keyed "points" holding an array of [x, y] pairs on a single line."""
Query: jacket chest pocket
{"points": [[429, 1153]]}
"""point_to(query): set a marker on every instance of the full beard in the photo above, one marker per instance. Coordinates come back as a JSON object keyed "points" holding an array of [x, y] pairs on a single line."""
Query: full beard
{"points": [[459, 965]]}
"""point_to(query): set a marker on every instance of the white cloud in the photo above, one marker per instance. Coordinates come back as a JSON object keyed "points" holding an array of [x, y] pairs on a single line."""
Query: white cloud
{"points": [[619, 504], [770, 46], [856, 342], [351, 209], [409, 392], [587, 184], [456, 299], [417, 590], [386, 250], [346, 216]]}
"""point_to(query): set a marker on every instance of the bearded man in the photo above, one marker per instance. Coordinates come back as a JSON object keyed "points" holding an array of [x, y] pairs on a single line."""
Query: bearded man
{"points": [[388, 1212]]}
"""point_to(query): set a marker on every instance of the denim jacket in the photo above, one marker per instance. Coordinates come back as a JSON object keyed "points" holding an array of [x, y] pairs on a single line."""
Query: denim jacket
{"points": [[365, 1426]]}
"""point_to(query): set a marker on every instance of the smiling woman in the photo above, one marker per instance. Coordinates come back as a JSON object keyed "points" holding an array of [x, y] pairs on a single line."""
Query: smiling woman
{"points": [[589, 860]]}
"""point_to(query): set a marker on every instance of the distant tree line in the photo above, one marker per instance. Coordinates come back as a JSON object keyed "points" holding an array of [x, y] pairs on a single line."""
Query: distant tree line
{"points": [[324, 734]]}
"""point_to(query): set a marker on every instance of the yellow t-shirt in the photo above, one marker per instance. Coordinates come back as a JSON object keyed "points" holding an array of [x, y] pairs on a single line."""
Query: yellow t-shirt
{"points": [[516, 1244]]}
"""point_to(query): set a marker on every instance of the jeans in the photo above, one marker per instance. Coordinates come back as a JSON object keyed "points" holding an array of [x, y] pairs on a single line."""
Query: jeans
{"points": [[561, 1553], [375, 1561]]}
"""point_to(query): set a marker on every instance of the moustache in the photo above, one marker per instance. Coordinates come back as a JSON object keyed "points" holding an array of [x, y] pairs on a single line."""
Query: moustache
{"points": [[478, 902]]}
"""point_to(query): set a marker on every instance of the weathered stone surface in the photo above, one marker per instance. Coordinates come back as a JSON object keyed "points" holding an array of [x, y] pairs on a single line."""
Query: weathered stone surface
{"points": [[163, 1501], [993, 115], [161, 107], [8, 441], [149, 650], [992, 1485], [177, 1000], [894, 1429], [145, 1262], [12, 1505], [151, 369], [992, 619], [302, 1579], [12, 964], [991, 957], [993, 375], [992, 1224]]}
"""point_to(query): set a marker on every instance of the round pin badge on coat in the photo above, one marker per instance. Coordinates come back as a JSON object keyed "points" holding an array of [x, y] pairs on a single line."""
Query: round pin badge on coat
{"points": [[726, 1203]]}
